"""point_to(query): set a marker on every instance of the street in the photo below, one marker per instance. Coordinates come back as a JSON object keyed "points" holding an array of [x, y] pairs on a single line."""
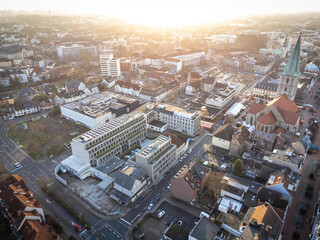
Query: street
{"points": [[32, 170]]}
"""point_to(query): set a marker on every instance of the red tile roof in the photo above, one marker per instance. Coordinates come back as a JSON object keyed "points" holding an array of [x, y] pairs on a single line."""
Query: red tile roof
{"points": [[279, 130], [290, 117], [268, 119], [284, 103], [256, 108]]}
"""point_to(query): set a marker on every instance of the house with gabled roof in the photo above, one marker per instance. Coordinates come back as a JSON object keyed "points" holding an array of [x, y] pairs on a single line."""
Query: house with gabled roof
{"points": [[223, 136], [284, 181], [23, 211], [262, 222], [189, 182], [128, 184]]}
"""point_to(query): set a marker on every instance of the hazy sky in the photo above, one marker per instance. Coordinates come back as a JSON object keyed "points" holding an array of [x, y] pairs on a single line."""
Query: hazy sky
{"points": [[167, 11]]}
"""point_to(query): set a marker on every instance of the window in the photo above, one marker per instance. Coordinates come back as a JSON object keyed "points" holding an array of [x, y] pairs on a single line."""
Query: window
{"points": [[285, 89], [287, 81]]}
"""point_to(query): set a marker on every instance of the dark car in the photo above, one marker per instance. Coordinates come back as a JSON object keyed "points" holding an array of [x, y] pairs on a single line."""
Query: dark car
{"points": [[140, 199], [151, 188], [156, 200]]}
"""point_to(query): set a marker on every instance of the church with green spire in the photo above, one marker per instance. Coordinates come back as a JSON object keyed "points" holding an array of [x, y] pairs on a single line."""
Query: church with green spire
{"points": [[290, 76]]}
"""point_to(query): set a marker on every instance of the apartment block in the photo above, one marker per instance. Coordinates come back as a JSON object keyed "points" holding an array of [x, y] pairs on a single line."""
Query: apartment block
{"points": [[109, 66], [157, 157], [178, 119], [110, 139]]}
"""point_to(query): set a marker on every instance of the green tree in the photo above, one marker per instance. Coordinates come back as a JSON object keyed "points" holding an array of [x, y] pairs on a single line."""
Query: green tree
{"points": [[238, 167]]}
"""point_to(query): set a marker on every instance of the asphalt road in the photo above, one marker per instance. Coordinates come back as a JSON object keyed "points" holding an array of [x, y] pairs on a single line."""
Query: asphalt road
{"points": [[102, 229]]}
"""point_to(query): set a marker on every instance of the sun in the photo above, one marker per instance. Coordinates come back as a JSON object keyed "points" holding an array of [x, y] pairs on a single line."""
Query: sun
{"points": [[172, 13]]}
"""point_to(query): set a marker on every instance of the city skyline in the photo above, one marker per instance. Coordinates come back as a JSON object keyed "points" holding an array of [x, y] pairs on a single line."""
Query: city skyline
{"points": [[166, 13]]}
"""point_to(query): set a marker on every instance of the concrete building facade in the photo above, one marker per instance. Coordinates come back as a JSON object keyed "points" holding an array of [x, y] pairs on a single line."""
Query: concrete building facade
{"points": [[110, 139], [157, 157], [109, 66]]}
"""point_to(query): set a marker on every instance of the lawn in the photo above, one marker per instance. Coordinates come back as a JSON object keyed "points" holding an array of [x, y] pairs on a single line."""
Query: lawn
{"points": [[46, 136]]}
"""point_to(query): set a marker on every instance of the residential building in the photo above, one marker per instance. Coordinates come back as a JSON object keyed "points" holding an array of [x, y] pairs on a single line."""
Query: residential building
{"points": [[69, 97], [23, 211], [15, 52], [262, 222], [190, 57], [290, 76], [26, 108], [206, 230], [236, 192], [178, 119], [221, 98], [128, 185], [46, 106], [263, 67], [109, 66], [74, 86], [94, 89], [182, 142], [157, 157], [128, 88], [278, 113], [239, 143], [284, 181], [6, 99], [223, 136], [75, 51], [110, 139], [189, 182], [157, 126], [207, 84]]}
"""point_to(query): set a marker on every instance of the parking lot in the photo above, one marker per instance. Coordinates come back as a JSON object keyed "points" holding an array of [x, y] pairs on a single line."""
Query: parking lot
{"points": [[172, 212]]}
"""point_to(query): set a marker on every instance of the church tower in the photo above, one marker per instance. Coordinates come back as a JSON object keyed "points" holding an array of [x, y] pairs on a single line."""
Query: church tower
{"points": [[290, 76]]}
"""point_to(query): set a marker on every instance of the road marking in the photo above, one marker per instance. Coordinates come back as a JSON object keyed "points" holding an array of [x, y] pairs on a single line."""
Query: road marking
{"points": [[126, 221], [103, 235]]}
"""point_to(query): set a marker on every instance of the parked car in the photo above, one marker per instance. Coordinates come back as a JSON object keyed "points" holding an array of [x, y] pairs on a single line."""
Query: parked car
{"points": [[189, 150], [150, 206], [77, 227], [179, 222], [17, 165], [169, 186], [156, 200], [151, 188], [161, 214], [139, 234]]}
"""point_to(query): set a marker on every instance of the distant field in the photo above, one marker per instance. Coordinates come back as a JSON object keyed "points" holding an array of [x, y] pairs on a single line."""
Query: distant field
{"points": [[46, 136]]}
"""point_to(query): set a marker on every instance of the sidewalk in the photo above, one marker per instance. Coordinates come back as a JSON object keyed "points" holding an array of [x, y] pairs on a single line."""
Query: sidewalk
{"points": [[293, 217]]}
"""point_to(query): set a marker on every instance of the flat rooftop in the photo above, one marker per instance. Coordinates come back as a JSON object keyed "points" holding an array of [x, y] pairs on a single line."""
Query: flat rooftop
{"points": [[157, 123], [110, 165], [153, 146], [106, 128], [95, 105]]}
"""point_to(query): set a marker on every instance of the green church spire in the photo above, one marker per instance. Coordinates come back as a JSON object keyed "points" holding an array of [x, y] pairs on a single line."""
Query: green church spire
{"points": [[293, 66]]}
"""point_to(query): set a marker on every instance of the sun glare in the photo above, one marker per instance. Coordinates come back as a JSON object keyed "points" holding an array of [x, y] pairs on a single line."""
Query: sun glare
{"points": [[172, 14]]}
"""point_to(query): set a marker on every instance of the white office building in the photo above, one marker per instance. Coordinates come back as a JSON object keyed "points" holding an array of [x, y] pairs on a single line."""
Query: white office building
{"points": [[75, 51], [110, 139], [178, 119], [157, 157], [109, 66]]}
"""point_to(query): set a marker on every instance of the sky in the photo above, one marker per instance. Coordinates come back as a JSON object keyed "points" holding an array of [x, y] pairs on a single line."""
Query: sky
{"points": [[167, 12]]}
